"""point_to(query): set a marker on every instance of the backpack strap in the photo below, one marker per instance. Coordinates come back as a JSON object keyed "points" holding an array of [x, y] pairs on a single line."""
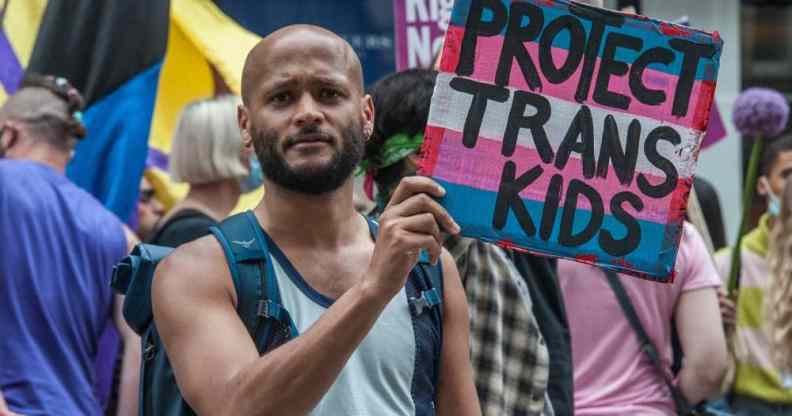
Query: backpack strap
{"points": [[428, 282], [430, 285], [133, 277], [258, 298], [647, 346]]}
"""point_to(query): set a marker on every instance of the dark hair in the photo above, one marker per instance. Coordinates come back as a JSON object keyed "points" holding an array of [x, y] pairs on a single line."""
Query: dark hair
{"points": [[62, 89], [711, 209], [401, 104], [772, 150]]}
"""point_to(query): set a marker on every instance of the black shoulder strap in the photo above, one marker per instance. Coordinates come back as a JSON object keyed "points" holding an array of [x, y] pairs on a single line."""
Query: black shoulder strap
{"points": [[161, 227], [647, 346]]}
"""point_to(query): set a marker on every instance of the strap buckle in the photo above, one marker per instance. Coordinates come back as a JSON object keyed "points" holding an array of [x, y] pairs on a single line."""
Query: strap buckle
{"points": [[427, 299], [269, 309]]}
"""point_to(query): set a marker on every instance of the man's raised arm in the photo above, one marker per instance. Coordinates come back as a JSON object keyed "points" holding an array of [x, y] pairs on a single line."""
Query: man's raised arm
{"points": [[215, 361]]}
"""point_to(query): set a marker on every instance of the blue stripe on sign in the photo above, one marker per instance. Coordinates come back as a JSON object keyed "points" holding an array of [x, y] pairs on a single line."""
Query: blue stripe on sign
{"points": [[109, 162], [647, 30], [473, 208]]}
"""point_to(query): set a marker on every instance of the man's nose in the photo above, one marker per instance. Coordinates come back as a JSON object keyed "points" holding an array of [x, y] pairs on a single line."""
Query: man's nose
{"points": [[308, 111]]}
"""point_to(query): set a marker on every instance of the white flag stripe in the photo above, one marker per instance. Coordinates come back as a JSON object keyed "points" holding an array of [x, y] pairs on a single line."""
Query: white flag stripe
{"points": [[450, 108]]}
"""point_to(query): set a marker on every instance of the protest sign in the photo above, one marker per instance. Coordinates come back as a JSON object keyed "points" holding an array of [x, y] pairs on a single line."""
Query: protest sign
{"points": [[419, 27], [569, 130]]}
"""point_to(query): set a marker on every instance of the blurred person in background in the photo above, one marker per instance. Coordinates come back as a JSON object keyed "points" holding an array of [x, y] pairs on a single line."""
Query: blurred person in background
{"points": [[757, 388], [778, 302], [208, 155], [59, 247], [510, 359], [149, 210], [613, 374]]}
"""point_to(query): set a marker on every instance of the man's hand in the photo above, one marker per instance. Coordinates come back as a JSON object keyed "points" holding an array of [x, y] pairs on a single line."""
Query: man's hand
{"points": [[411, 222], [727, 309]]}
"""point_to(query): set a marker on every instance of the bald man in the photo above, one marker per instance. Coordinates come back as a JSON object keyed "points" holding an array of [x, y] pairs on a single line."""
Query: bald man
{"points": [[306, 116], [59, 245]]}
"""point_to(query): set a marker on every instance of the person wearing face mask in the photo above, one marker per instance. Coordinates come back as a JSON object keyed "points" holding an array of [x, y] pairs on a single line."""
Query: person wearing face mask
{"points": [[758, 388], [778, 302], [208, 155]]}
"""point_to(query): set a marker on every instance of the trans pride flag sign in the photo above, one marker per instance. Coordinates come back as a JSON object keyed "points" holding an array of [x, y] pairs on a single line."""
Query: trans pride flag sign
{"points": [[569, 130]]}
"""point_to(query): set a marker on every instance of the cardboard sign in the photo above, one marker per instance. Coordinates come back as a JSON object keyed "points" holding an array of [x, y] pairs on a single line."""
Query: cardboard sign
{"points": [[569, 130], [419, 27]]}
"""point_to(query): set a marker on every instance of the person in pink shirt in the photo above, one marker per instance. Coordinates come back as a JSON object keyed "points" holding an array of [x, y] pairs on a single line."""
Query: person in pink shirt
{"points": [[612, 375]]}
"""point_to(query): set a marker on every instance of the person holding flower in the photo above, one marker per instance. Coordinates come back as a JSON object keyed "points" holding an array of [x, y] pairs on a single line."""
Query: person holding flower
{"points": [[778, 302], [757, 388]]}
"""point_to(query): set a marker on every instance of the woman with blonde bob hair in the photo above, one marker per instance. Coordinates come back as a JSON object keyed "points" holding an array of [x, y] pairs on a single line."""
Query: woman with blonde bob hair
{"points": [[778, 300], [207, 153]]}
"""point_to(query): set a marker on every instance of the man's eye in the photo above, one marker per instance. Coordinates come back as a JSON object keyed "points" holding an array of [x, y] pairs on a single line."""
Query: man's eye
{"points": [[329, 94], [280, 98]]}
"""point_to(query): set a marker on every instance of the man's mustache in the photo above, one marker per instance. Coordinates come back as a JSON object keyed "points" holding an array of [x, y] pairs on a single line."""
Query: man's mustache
{"points": [[310, 134]]}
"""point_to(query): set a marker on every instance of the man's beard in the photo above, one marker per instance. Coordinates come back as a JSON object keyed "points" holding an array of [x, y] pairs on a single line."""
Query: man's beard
{"points": [[312, 180]]}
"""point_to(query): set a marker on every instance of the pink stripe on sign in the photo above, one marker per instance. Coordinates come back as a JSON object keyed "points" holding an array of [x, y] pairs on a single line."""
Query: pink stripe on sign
{"points": [[488, 51], [484, 172]]}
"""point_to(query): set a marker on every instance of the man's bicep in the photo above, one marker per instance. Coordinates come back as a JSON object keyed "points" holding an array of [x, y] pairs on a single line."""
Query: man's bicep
{"points": [[206, 342], [457, 391]]}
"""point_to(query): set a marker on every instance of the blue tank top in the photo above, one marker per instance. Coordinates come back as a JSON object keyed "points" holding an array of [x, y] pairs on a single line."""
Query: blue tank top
{"points": [[58, 246]]}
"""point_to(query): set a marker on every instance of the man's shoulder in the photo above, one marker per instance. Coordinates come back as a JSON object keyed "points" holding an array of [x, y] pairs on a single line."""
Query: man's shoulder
{"points": [[197, 267], [21, 174], [55, 197]]}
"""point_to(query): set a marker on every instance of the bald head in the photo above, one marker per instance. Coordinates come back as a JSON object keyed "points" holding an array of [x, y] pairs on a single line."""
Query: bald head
{"points": [[294, 44]]}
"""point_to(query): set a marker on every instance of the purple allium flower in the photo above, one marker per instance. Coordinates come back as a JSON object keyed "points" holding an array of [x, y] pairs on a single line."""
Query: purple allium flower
{"points": [[760, 112]]}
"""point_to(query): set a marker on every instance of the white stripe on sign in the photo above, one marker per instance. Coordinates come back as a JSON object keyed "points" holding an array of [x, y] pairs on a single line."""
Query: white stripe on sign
{"points": [[450, 109]]}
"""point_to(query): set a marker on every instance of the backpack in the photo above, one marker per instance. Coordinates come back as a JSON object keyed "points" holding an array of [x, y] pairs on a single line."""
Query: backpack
{"points": [[259, 306]]}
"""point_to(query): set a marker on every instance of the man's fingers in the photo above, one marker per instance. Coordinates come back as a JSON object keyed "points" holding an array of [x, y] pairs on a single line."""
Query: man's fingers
{"points": [[422, 224], [412, 185], [430, 244], [422, 203], [412, 243]]}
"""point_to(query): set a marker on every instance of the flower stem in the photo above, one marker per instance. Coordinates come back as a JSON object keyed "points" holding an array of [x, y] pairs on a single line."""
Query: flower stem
{"points": [[751, 176]]}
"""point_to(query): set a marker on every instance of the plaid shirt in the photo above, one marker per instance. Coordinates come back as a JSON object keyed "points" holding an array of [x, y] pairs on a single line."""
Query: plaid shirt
{"points": [[509, 357]]}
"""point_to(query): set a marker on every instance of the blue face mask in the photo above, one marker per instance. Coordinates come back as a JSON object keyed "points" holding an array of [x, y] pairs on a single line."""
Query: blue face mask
{"points": [[254, 179], [773, 204]]}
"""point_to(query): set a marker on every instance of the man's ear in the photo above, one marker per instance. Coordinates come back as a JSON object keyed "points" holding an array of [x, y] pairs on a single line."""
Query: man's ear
{"points": [[9, 136], [763, 185], [243, 119], [367, 113]]}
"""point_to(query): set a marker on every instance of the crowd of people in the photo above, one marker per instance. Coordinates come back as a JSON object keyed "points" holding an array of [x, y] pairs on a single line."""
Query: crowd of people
{"points": [[304, 306]]}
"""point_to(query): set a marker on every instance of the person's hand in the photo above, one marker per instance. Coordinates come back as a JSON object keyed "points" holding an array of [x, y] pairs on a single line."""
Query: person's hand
{"points": [[411, 222], [727, 309]]}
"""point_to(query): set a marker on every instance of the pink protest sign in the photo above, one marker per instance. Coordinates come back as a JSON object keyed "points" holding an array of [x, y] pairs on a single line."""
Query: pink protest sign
{"points": [[419, 29], [569, 130]]}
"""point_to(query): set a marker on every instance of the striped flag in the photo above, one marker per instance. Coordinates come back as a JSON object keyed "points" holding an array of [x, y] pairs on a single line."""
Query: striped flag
{"points": [[112, 52], [537, 150]]}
